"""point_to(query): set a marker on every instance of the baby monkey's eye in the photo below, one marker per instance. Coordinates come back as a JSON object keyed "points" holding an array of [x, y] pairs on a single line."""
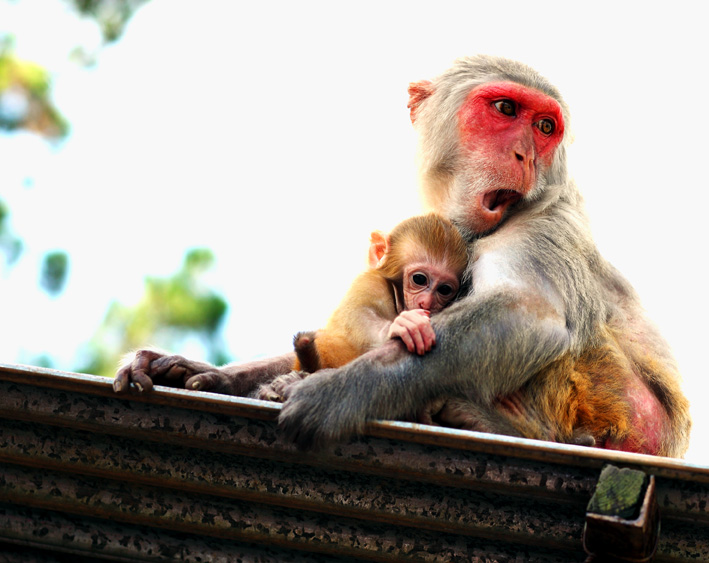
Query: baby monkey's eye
{"points": [[420, 279], [445, 290]]}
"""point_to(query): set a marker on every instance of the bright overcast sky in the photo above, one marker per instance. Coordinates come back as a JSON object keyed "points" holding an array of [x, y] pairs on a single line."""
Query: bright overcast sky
{"points": [[277, 134]]}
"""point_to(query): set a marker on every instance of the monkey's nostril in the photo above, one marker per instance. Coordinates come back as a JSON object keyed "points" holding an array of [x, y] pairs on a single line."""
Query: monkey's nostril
{"points": [[519, 156]]}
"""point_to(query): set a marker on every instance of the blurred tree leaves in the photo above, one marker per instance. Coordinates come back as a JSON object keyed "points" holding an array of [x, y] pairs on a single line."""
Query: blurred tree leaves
{"points": [[10, 245], [25, 104], [171, 311], [25, 97], [174, 311], [55, 269], [111, 15], [25, 87]]}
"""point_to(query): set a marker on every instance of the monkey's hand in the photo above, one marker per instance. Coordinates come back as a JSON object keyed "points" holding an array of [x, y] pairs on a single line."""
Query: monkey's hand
{"points": [[313, 414], [415, 330], [146, 368], [149, 367], [277, 389], [452, 412], [428, 414], [333, 405]]}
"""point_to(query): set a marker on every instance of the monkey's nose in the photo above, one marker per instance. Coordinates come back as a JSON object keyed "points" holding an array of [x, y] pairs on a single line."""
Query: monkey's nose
{"points": [[524, 155], [425, 301]]}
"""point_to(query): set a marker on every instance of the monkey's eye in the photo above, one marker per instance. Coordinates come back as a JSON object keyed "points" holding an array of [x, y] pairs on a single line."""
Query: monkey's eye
{"points": [[546, 126], [506, 107], [420, 279], [445, 290]]}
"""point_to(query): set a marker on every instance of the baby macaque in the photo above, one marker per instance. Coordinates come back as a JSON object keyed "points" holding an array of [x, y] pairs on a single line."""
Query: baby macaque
{"points": [[415, 271]]}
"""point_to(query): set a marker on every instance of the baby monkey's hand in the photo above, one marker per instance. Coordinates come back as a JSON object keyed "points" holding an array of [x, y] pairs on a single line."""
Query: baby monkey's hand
{"points": [[415, 330]]}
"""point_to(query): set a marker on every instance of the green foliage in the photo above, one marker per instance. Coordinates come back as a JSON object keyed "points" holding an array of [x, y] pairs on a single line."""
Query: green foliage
{"points": [[25, 87], [55, 269], [25, 97], [111, 15], [10, 245], [171, 311], [174, 310]]}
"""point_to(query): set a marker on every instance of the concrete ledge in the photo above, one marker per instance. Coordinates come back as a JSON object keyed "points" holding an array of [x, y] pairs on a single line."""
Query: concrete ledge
{"points": [[187, 476]]}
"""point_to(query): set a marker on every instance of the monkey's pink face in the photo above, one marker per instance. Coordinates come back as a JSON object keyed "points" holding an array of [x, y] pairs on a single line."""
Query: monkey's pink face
{"points": [[429, 286], [509, 134]]}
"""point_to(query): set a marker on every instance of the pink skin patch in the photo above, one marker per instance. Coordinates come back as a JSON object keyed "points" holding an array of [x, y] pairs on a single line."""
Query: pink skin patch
{"points": [[648, 418], [648, 421], [509, 133]]}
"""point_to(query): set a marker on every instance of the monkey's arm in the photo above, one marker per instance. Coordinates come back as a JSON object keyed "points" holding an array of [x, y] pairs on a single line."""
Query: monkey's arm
{"points": [[148, 367], [487, 345]]}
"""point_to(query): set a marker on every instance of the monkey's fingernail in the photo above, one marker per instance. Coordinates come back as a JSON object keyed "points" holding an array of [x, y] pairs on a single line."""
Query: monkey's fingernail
{"points": [[140, 387], [196, 386]]}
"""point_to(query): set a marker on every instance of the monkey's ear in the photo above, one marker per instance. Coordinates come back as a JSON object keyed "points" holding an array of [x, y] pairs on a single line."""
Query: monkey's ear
{"points": [[418, 92], [378, 247]]}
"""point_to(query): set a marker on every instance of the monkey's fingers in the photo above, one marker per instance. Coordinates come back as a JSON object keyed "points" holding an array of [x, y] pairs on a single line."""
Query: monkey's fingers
{"points": [[176, 371], [420, 328], [418, 334], [171, 367], [137, 372], [205, 381], [266, 392], [122, 380], [429, 410], [402, 333], [280, 388], [428, 336]]}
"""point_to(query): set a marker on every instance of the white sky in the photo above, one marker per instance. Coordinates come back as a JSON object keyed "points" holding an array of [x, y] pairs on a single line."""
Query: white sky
{"points": [[277, 134]]}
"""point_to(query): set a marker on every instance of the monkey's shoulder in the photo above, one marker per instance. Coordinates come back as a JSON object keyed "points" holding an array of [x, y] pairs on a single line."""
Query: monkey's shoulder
{"points": [[373, 293], [369, 299]]}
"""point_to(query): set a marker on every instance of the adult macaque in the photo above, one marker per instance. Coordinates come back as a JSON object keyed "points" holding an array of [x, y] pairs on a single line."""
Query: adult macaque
{"points": [[415, 271], [550, 341]]}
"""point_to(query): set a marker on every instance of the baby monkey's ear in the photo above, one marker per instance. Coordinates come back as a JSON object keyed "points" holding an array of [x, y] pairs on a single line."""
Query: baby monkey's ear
{"points": [[378, 247]]}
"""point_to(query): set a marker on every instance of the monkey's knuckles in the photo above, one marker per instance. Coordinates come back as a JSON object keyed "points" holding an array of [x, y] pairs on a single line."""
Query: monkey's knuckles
{"points": [[420, 331], [431, 409], [266, 392], [205, 381], [135, 374], [172, 367], [281, 387]]}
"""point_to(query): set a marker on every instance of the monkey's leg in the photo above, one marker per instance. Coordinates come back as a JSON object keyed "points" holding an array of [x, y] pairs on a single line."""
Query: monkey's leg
{"points": [[306, 351]]}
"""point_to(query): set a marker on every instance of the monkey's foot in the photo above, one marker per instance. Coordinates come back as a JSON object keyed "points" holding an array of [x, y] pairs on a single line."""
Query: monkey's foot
{"points": [[276, 390]]}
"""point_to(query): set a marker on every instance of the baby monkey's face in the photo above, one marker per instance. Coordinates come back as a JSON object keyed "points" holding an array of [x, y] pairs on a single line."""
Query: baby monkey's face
{"points": [[429, 286]]}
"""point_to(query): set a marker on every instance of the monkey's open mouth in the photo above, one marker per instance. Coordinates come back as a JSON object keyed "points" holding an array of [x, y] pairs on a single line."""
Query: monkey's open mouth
{"points": [[499, 200]]}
